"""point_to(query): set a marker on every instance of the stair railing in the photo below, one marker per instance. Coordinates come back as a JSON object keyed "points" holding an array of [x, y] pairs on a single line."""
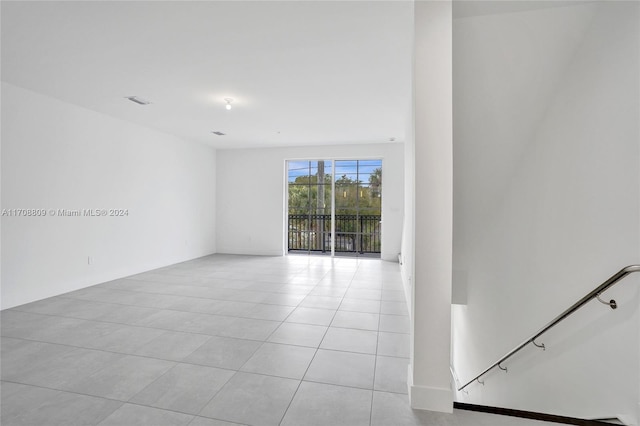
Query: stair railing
{"points": [[595, 294]]}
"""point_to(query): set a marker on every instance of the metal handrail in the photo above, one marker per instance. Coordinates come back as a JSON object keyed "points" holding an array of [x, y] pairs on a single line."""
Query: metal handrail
{"points": [[595, 294]]}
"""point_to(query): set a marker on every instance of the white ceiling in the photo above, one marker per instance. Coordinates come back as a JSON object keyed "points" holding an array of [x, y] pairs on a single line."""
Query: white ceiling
{"points": [[301, 73]]}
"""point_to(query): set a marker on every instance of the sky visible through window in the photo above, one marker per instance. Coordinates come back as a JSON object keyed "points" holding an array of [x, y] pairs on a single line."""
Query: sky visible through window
{"points": [[354, 169]]}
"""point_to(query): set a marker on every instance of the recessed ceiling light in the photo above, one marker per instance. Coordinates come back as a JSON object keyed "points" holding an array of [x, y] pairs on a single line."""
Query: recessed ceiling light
{"points": [[218, 133], [228, 101], [138, 100]]}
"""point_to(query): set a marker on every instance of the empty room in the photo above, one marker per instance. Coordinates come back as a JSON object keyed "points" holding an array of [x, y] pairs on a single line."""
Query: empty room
{"points": [[320, 213]]}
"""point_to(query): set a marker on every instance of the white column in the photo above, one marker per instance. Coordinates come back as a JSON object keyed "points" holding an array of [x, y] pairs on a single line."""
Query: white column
{"points": [[429, 376]]}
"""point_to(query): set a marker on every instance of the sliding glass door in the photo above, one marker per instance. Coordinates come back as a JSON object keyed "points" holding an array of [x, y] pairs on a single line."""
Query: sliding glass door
{"points": [[310, 198], [358, 207], [334, 207]]}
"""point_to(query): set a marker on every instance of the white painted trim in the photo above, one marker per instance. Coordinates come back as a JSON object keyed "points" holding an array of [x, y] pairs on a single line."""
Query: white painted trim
{"points": [[429, 398], [285, 209], [333, 208]]}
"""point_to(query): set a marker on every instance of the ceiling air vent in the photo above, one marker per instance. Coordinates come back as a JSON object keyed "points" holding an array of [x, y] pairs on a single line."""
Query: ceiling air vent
{"points": [[138, 100], [218, 133]]}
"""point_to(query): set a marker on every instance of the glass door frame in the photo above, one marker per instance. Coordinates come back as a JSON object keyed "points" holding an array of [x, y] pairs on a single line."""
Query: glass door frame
{"points": [[333, 201]]}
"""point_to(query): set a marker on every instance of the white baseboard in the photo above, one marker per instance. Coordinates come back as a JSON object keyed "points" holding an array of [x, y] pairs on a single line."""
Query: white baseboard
{"points": [[429, 398], [249, 252]]}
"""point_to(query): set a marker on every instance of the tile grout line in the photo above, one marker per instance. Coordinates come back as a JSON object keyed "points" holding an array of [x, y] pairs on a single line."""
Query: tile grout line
{"points": [[375, 361], [185, 361], [254, 352], [314, 355]]}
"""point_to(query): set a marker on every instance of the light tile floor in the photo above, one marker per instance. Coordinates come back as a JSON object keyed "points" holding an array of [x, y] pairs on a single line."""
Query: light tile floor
{"points": [[221, 340]]}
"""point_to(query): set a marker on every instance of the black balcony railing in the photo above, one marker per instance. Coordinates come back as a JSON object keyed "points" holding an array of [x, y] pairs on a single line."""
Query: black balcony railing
{"points": [[353, 233]]}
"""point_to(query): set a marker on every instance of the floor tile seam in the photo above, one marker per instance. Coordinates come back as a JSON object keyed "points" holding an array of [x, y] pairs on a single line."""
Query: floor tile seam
{"points": [[396, 315], [59, 391], [66, 295], [333, 319], [69, 346], [395, 357], [290, 344], [363, 299], [312, 358], [80, 318], [311, 362], [178, 411], [263, 291], [197, 364], [168, 270], [203, 313], [251, 356], [105, 365], [271, 375], [197, 348], [137, 325], [298, 387], [277, 376], [163, 409], [355, 328], [342, 301], [66, 391], [342, 350], [144, 326], [201, 277], [320, 382], [392, 332], [263, 303], [201, 297], [144, 344], [245, 317], [388, 391], [215, 418], [362, 312], [306, 323], [302, 301], [290, 313], [151, 383], [347, 352], [203, 334], [276, 329], [182, 361], [148, 281], [375, 364]]}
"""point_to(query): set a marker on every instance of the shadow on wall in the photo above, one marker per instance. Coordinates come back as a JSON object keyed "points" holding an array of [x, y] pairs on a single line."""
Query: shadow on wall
{"points": [[546, 154]]}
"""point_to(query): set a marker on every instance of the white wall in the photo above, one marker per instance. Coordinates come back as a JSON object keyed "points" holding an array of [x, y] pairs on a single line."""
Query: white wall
{"points": [[568, 218], [407, 247], [429, 377], [59, 156], [251, 187]]}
